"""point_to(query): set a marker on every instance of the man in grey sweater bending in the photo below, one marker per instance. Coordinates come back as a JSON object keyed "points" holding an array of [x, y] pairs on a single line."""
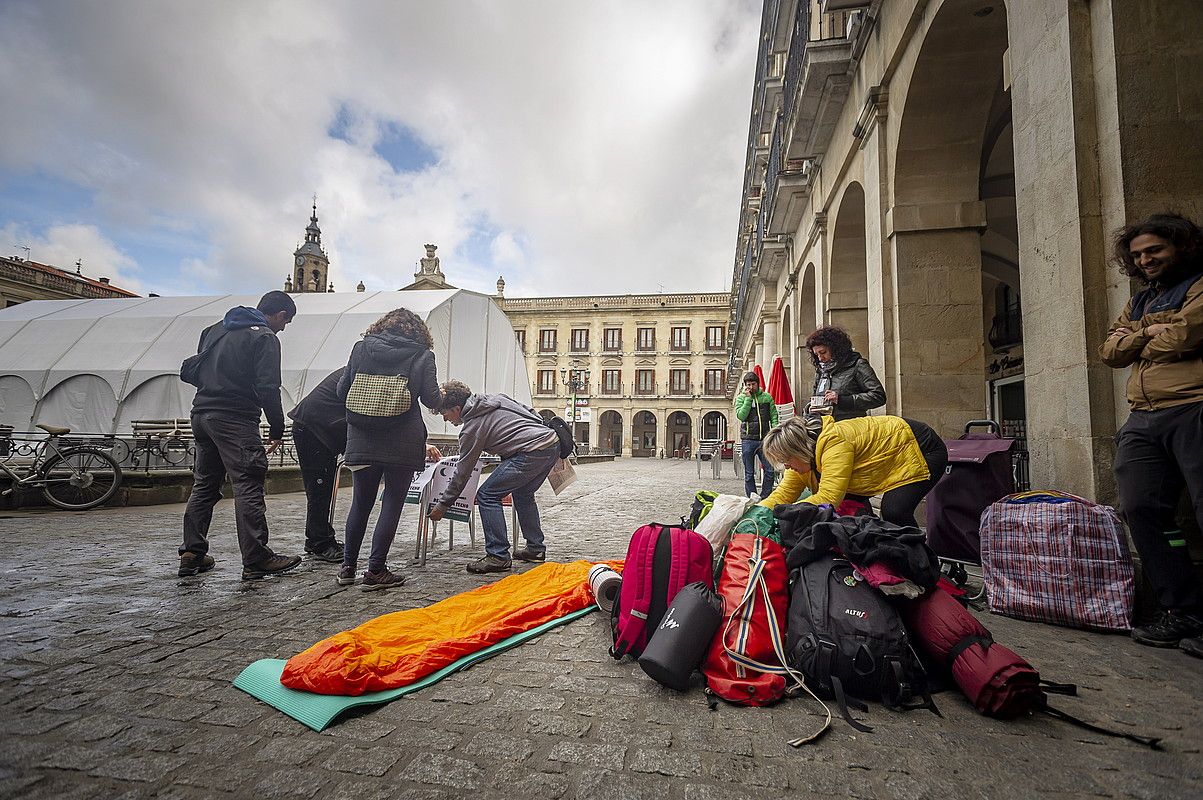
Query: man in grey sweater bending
{"points": [[498, 424]]}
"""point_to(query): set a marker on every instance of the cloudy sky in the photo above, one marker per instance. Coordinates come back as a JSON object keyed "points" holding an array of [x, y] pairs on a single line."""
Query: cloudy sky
{"points": [[572, 146]]}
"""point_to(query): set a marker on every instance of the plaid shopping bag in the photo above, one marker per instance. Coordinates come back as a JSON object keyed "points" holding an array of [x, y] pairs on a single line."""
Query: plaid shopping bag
{"points": [[1053, 557]]}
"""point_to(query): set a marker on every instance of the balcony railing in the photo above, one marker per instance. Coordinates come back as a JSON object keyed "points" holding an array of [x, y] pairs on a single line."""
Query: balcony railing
{"points": [[810, 24]]}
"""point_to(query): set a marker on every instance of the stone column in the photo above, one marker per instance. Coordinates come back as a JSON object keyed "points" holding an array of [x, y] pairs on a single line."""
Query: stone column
{"points": [[769, 346], [1107, 123], [882, 345], [936, 253]]}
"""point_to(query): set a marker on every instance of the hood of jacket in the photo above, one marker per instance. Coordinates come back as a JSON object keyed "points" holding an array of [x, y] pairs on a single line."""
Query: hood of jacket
{"points": [[240, 317], [388, 350]]}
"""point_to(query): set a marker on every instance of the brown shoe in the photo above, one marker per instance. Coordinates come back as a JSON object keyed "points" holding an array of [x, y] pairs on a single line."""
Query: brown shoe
{"points": [[489, 564], [373, 581], [194, 564], [269, 566]]}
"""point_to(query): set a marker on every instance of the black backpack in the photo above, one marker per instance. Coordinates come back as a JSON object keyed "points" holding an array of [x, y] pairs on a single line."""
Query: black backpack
{"points": [[567, 444], [848, 641]]}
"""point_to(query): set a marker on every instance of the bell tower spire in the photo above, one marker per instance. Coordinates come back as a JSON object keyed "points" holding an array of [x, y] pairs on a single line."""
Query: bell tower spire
{"points": [[311, 265]]}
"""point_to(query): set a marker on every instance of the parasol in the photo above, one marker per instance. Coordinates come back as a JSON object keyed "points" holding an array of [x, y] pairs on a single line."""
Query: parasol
{"points": [[779, 390]]}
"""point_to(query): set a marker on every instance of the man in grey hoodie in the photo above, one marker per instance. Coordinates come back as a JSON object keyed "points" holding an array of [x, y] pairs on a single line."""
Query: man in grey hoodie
{"points": [[528, 449]]}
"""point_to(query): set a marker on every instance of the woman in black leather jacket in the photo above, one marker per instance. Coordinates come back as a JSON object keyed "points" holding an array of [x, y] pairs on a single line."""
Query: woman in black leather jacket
{"points": [[844, 380]]}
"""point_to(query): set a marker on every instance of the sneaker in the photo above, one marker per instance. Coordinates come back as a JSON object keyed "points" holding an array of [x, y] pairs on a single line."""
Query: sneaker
{"points": [[269, 566], [529, 554], [1193, 645], [1169, 630], [380, 580], [346, 576], [332, 553], [490, 564], [194, 564]]}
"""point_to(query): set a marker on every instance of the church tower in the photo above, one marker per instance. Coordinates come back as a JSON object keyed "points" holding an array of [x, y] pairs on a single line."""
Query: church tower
{"points": [[311, 265]]}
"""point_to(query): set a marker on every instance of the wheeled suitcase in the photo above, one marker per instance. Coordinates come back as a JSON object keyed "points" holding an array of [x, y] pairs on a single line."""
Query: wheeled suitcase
{"points": [[979, 472]]}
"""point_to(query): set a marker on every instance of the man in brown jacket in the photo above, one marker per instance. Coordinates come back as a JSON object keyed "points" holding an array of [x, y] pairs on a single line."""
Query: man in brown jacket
{"points": [[1159, 450]]}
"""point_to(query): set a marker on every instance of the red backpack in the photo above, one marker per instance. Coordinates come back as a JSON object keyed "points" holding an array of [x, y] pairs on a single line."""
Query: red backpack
{"points": [[661, 560]]}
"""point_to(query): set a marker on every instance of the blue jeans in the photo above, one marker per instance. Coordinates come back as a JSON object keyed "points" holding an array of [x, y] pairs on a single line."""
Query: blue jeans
{"points": [[364, 485], [750, 449], [519, 475]]}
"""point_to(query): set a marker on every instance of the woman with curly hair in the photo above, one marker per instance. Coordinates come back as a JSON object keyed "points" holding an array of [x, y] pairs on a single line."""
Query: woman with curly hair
{"points": [[845, 384], [388, 372]]}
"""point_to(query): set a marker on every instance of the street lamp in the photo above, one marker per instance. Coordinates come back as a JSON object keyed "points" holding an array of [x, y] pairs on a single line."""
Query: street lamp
{"points": [[576, 379]]}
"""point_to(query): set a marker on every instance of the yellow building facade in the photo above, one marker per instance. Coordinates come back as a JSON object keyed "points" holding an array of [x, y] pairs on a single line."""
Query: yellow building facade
{"points": [[648, 372]]}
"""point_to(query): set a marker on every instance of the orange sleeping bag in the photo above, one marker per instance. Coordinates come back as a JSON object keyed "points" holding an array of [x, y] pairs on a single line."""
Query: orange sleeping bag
{"points": [[399, 648]]}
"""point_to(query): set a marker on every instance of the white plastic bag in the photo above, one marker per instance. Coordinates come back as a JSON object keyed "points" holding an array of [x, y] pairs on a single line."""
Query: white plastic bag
{"points": [[724, 513]]}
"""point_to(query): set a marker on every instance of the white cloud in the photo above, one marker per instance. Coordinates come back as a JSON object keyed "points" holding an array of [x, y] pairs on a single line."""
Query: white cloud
{"points": [[605, 141], [63, 245]]}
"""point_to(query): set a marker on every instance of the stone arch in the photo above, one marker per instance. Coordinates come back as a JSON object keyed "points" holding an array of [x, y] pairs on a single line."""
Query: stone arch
{"points": [[678, 437], [714, 425], [953, 134], [643, 435], [847, 293], [609, 432]]}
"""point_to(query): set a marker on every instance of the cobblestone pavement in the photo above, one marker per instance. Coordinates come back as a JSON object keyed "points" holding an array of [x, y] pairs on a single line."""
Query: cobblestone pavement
{"points": [[115, 681]]}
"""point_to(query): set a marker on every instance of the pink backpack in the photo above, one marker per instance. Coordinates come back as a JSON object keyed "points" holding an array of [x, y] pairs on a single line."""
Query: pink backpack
{"points": [[661, 560]]}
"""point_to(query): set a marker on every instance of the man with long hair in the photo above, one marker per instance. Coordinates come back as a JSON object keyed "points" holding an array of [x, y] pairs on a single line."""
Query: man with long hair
{"points": [[1159, 450]]}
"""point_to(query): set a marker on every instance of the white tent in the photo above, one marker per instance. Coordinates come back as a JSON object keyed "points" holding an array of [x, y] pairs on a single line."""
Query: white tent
{"points": [[97, 365]]}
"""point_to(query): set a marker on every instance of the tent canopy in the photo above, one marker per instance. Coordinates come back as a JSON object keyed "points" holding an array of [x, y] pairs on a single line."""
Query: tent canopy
{"points": [[97, 365]]}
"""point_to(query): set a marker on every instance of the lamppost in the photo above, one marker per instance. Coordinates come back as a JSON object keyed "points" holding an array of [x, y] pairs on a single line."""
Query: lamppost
{"points": [[576, 379]]}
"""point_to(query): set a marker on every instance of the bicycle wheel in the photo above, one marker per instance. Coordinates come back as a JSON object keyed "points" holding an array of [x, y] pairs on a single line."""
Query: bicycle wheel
{"points": [[80, 478]]}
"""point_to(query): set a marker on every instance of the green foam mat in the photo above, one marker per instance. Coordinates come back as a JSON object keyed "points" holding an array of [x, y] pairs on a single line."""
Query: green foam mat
{"points": [[261, 680]]}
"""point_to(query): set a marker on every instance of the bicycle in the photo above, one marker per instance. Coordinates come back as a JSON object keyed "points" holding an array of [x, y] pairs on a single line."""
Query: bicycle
{"points": [[71, 476]]}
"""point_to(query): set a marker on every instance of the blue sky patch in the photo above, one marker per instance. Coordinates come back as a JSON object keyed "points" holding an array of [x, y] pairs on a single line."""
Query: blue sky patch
{"points": [[396, 143], [402, 149]]}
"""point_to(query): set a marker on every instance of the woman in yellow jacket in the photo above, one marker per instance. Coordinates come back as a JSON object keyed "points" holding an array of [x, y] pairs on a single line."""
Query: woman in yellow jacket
{"points": [[898, 458]]}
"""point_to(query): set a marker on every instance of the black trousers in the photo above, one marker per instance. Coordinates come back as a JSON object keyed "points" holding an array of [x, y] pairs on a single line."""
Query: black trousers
{"points": [[898, 505], [318, 471], [1157, 454], [227, 443]]}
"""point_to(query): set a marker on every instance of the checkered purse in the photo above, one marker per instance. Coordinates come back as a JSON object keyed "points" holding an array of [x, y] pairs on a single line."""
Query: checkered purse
{"points": [[379, 395], [1053, 557]]}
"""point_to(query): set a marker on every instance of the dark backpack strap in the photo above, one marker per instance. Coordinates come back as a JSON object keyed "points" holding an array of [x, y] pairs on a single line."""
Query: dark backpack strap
{"points": [[1059, 688], [964, 644], [891, 691], [837, 687], [1151, 742]]}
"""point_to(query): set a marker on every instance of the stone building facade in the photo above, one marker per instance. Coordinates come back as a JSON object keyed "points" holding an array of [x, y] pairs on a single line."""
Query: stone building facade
{"points": [[22, 280], [940, 177], [657, 367]]}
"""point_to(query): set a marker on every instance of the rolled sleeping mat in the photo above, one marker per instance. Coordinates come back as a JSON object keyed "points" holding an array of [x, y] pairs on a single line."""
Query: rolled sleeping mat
{"points": [[683, 636], [604, 583]]}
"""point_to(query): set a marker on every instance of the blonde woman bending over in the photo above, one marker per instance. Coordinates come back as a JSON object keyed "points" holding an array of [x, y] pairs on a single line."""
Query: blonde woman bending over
{"points": [[898, 458]]}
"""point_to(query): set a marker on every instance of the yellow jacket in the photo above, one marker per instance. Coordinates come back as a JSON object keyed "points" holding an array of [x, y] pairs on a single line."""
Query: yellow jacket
{"points": [[864, 456]]}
